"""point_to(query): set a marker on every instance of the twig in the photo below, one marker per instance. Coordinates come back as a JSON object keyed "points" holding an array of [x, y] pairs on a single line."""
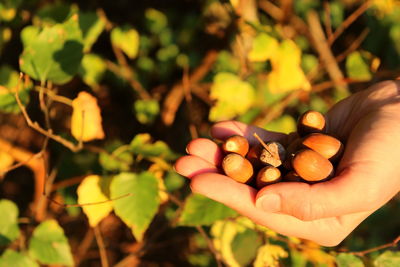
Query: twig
{"points": [[210, 245], [100, 244], [53, 96], [37, 127], [348, 21], [353, 46], [273, 155], [84, 246], [176, 94], [324, 51], [276, 110], [394, 243], [327, 22], [277, 13], [87, 204], [188, 98], [122, 69]]}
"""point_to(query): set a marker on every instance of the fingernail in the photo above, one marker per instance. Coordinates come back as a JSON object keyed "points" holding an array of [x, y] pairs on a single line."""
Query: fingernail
{"points": [[269, 203]]}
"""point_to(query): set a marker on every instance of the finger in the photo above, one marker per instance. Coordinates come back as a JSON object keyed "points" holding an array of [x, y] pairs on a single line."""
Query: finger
{"points": [[205, 149], [190, 166], [225, 129], [351, 192], [240, 197]]}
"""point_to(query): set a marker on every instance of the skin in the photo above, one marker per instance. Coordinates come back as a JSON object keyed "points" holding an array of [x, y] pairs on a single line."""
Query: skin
{"points": [[367, 176]]}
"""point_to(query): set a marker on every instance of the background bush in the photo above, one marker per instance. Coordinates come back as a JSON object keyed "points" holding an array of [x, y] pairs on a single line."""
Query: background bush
{"points": [[99, 98]]}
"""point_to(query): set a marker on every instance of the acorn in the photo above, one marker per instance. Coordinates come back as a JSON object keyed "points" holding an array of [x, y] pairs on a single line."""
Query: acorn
{"points": [[236, 144], [328, 146], [267, 175], [237, 167], [311, 122], [311, 166]]}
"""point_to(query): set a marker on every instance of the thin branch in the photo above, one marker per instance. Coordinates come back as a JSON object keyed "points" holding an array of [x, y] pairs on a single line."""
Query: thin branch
{"points": [[87, 204], [102, 248], [394, 243], [84, 246], [353, 46], [327, 21], [37, 127], [188, 98], [176, 94], [211, 246], [324, 51], [348, 21], [53, 96], [122, 69]]}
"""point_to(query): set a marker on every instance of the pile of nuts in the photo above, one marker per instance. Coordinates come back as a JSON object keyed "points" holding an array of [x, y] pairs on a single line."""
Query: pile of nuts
{"points": [[309, 156]]}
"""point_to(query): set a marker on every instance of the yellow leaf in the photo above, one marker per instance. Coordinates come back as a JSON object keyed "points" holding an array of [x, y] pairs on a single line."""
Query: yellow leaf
{"points": [[91, 191], [233, 96], [86, 118], [313, 253], [264, 47], [268, 256], [6, 160], [286, 74], [224, 232], [159, 173]]}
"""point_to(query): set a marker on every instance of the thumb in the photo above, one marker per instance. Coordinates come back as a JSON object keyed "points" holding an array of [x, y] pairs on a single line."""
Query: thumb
{"points": [[347, 193]]}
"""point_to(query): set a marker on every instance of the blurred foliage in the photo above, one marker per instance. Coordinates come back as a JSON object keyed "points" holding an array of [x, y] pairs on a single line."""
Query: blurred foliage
{"points": [[120, 87]]}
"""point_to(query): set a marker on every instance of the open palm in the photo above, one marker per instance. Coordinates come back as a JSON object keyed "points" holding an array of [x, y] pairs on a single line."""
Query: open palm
{"points": [[367, 177]]}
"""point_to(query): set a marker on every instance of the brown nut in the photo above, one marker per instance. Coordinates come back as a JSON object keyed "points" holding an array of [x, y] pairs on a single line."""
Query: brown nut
{"points": [[236, 144], [292, 176], [274, 154], [237, 167], [311, 166], [311, 122], [254, 155], [294, 146], [267, 175], [328, 146]]}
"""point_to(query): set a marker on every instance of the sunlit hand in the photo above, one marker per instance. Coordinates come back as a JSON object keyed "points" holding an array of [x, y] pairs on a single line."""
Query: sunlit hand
{"points": [[367, 176]]}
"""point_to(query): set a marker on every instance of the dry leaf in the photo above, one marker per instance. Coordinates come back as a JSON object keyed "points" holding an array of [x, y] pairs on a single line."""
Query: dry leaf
{"points": [[86, 118]]}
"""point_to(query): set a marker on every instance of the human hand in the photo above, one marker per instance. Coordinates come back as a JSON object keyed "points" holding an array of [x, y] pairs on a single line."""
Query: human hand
{"points": [[366, 178]]}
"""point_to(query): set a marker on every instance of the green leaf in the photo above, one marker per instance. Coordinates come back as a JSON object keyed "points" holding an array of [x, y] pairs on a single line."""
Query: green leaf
{"points": [[127, 39], [8, 9], [92, 69], [348, 260], [119, 158], [264, 46], [226, 62], [9, 230], [285, 124], [91, 26], [245, 245], [200, 210], [57, 12], [8, 82], [49, 244], [173, 181], [55, 53], [28, 34], [146, 111], [388, 259], [16, 259], [156, 21], [357, 67], [141, 145], [233, 96], [138, 209]]}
